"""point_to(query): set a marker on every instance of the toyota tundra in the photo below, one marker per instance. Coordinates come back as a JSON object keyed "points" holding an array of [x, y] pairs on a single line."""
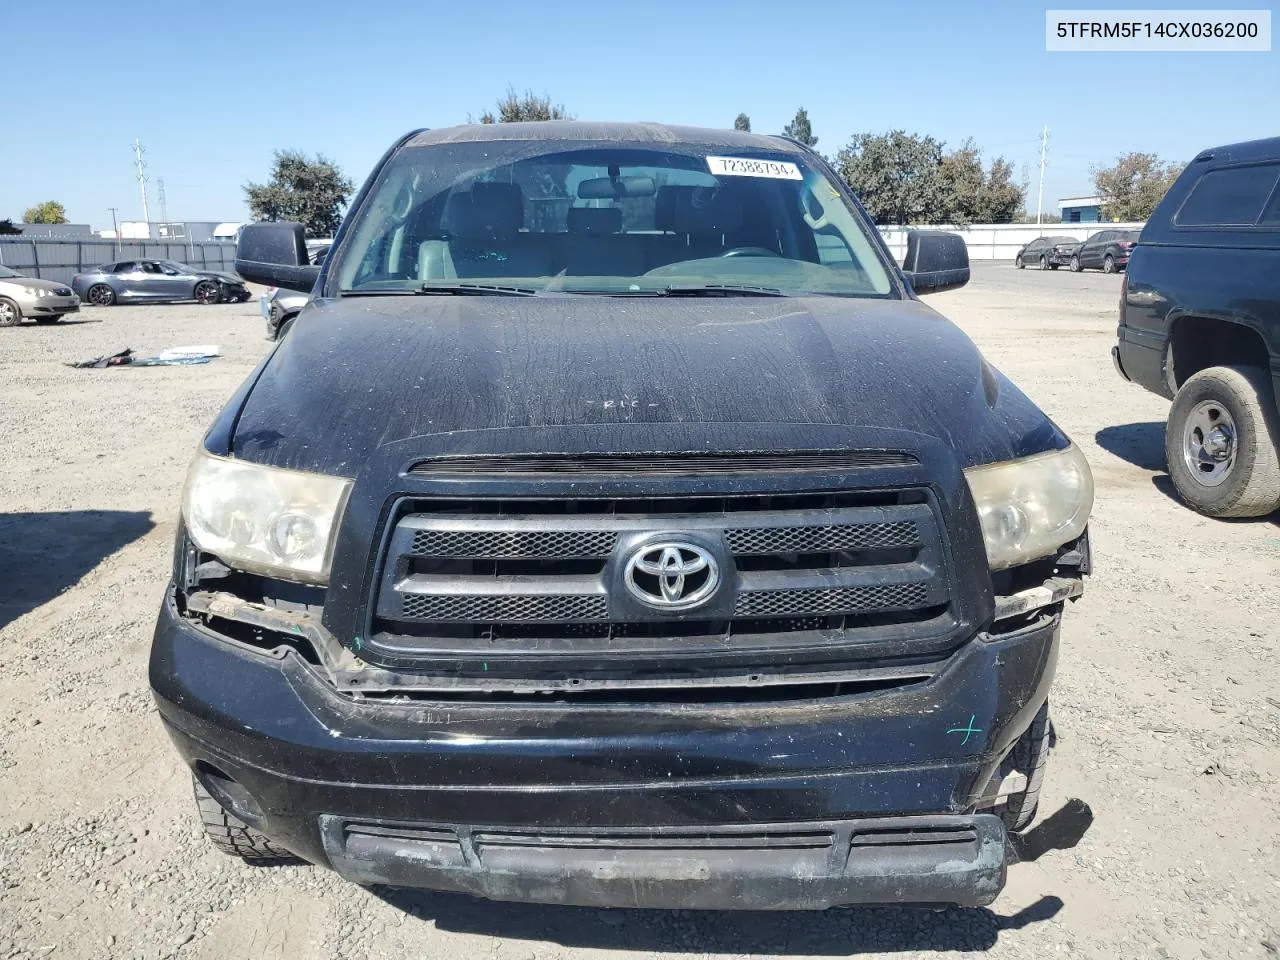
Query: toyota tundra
{"points": [[617, 527]]}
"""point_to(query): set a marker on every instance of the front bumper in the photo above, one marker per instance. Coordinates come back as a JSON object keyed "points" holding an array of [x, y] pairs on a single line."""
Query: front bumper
{"points": [[859, 799], [49, 306]]}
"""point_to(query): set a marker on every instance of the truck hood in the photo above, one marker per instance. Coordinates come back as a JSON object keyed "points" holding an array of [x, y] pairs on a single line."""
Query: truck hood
{"points": [[427, 372]]}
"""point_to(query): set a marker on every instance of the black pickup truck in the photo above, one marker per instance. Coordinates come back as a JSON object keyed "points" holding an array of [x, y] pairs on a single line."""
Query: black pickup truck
{"points": [[616, 527], [1200, 324]]}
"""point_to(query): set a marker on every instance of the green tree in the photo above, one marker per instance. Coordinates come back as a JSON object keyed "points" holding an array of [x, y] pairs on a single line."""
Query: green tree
{"points": [[7, 229], [799, 129], [313, 192], [742, 122], [1131, 188], [978, 195], [514, 108], [51, 211], [897, 176]]}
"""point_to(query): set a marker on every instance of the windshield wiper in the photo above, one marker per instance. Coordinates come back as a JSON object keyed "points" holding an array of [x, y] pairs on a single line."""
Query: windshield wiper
{"points": [[474, 290], [721, 290]]}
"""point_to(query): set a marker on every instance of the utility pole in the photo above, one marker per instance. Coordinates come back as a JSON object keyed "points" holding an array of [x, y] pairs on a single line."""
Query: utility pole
{"points": [[1044, 148], [115, 233], [164, 208], [138, 150]]}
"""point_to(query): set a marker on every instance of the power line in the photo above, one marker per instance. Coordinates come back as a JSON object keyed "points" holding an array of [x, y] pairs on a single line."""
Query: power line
{"points": [[138, 150], [1044, 149]]}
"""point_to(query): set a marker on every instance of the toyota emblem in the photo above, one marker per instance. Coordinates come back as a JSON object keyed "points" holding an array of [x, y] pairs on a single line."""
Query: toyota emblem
{"points": [[672, 576]]}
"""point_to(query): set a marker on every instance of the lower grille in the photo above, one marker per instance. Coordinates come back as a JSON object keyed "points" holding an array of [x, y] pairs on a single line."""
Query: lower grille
{"points": [[817, 600], [512, 608]]}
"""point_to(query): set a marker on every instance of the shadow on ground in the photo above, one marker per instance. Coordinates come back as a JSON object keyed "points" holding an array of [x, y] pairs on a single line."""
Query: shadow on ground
{"points": [[1162, 483], [839, 932], [1142, 444], [43, 554]]}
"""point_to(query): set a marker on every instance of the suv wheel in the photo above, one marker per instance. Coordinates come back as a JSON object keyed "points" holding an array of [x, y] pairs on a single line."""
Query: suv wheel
{"points": [[1044, 263], [1075, 264], [1029, 756], [1220, 443], [232, 835], [1108, 264], [1017, 262]]}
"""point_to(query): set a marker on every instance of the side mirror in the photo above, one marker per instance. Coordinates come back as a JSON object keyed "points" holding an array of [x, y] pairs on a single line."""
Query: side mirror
{"points": [[935, 261], [275, 254]]}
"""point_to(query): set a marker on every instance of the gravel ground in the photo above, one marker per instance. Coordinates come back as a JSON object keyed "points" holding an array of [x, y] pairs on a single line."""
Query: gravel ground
{"points": [[1167, 703]]}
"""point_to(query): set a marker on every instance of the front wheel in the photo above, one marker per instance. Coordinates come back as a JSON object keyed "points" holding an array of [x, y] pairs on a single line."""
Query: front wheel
{"points": [[1108, 264], [1030, 757], [1075, 265], [207, 292], [10, 313], [1220, 443], [1017, 262], [1044, 263], [232, 835]]}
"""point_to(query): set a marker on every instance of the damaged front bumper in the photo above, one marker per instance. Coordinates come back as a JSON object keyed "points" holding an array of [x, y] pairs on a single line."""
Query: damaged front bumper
{"points": [[865, 798]]}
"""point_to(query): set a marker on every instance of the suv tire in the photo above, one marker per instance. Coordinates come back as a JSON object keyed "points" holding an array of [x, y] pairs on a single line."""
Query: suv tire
{"points": [[1044, 262], [1108, 264], [1075, 265], [232, 835], [1030, 755], [1221, 443]]}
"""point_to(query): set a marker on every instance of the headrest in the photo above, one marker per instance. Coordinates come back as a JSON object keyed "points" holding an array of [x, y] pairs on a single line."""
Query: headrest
{"points": [[487, 210], [684, 209], [664, 207], [595, 221]]}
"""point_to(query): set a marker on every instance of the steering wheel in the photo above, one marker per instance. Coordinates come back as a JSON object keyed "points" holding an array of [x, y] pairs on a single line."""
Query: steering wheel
{"points": [[751, 252]]}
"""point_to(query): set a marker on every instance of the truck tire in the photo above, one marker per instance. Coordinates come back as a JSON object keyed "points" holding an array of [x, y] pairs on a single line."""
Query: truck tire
{"points": [[1030, 756], [1221, 443], [232, 835]]}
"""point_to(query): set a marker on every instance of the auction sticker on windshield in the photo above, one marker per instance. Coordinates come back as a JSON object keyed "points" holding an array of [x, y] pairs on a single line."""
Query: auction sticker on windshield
{"points": [[749, 167]]}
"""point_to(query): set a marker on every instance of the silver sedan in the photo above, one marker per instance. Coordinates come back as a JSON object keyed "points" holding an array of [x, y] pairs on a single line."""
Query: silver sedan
{"points": [[157, 280], [44, 301]]}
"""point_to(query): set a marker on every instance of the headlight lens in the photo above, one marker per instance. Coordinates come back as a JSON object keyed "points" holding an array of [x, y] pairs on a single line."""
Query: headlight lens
{"points": [[1030, 507], [264, 519]]}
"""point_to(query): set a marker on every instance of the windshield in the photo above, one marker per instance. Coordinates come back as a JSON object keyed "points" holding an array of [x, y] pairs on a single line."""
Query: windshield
{"points": [[8, 274], [588, 218], [177, 267]]}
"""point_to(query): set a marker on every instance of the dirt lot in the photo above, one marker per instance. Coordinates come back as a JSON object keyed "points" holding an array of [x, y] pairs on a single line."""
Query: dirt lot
{"points": [[1167, 702]]}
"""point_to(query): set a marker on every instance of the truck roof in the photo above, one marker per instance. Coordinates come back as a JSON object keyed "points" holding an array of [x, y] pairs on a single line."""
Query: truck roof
{"points": [[1268, 149], [594, 131]]}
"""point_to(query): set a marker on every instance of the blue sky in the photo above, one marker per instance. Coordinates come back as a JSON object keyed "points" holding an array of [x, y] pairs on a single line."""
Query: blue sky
{"points": [[212, 88]]}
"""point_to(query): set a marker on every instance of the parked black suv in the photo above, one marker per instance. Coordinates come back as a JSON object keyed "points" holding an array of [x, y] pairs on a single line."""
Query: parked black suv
{"points": [[1200, 324], [1106, 250], [1048, 253], [615, 526]]}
